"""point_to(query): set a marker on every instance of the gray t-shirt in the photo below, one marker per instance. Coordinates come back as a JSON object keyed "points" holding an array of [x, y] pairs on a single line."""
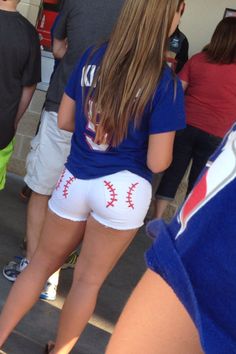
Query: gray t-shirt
{"points": [[83, 23]]}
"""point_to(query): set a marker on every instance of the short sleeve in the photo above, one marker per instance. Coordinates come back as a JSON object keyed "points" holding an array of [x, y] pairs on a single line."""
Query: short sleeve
{"points": [[72, 84], [60, 29], [182, 55], [168, 112], [184, 74], [75, 78], [32, 70]]}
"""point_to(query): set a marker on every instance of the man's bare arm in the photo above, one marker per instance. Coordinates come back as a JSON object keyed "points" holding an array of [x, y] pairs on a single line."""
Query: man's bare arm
{"points": [[59, 48], [26, 97]]}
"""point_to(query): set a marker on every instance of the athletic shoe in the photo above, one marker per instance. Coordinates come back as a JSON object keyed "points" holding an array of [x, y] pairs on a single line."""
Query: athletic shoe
{"points": [[14, 268], [49, 292], [70, 261]]}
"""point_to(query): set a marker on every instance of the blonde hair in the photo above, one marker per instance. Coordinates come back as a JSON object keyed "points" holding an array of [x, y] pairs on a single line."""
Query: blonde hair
{"points": [[131, 68]]}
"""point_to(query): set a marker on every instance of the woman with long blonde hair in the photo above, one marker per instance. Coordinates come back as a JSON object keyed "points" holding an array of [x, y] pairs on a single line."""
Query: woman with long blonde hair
{"points": [[124, 105]]}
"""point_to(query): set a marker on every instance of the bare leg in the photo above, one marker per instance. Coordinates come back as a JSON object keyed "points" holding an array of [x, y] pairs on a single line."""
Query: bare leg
{"points": [[101, 249], [154, 322], [36, 213], [59, 238], [161, 205]]}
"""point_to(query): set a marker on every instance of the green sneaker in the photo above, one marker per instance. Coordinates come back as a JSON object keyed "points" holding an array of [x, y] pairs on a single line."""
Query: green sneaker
{"points": [[70, 261]]}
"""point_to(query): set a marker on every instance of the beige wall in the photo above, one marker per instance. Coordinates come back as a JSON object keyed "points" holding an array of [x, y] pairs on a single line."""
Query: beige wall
{"points": [[200, 20], [29, 9]]}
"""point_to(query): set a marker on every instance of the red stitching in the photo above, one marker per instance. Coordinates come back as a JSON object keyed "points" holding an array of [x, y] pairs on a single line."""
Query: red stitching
{"points": [[60, 179], [113, 194], [67, 186], [129, 198]]}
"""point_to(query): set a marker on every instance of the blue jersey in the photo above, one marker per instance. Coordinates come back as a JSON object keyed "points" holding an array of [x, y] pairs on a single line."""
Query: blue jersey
{"points": [[88, 160], [196, 252]]}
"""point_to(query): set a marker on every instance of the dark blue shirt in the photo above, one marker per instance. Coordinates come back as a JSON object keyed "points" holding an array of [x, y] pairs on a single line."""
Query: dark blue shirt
{"points": [[196, 252]]}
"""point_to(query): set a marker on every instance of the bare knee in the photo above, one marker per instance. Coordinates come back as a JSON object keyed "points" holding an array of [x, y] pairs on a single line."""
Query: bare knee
{"points": [[46, 262], [85, 280]]}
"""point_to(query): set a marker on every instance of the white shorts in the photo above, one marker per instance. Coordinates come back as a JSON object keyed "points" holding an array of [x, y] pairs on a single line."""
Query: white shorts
{"points": [[119, 201], [49, 151]]}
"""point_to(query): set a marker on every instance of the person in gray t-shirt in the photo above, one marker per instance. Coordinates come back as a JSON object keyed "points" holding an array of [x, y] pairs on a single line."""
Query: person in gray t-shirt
{"points": [[80, 25], [83, 23]]}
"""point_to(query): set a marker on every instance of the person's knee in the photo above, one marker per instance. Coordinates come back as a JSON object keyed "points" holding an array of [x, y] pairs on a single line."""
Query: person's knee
{"points": [[86, 279], [48, 260]]}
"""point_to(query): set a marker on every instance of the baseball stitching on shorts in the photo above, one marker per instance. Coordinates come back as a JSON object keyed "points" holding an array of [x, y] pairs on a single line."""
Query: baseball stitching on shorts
{"points": [[60, 179], [67, 185], [129, 198], [113, 194]]}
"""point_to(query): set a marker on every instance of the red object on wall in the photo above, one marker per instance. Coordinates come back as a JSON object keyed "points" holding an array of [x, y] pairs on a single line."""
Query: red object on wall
{"points": [[51, 2], [44, 25]]}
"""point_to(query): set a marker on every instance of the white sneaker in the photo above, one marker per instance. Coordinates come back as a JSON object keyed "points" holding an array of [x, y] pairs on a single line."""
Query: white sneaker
{"points": [[49, 292]]}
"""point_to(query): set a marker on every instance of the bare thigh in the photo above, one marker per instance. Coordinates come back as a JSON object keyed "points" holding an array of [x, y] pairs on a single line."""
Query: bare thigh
{"points": [[101, 249], [58, 239], [155, 322]]}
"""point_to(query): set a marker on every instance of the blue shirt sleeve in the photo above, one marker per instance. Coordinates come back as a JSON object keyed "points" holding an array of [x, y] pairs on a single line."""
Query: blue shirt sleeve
{"points": [[74, 82], [167, 112]]}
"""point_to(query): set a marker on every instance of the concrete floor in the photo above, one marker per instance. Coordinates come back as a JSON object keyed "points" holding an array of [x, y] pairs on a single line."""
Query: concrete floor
{"points": [[40, 324]]}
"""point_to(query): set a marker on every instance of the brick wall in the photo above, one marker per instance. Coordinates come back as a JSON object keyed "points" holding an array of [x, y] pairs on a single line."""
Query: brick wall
{"points": [[29, 9]]}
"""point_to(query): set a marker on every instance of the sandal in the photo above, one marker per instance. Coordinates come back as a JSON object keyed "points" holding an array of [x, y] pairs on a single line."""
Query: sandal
{"points": [[49, 347]]}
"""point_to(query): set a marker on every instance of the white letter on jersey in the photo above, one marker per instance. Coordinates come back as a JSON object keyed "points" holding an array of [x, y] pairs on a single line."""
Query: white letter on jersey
{"points": [[88, 75]]}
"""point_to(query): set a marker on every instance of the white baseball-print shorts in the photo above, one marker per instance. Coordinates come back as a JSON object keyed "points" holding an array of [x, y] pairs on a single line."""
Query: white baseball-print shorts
{"points": [[119, 201]]}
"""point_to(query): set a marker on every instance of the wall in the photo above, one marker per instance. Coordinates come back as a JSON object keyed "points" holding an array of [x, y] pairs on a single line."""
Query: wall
{"points": [[200, 20], [29, 9]]}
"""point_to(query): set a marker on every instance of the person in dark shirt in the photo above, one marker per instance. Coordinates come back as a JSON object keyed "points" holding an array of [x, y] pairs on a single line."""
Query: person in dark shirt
{"points": [[177, 54], [20, 71], [179, 46]]}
